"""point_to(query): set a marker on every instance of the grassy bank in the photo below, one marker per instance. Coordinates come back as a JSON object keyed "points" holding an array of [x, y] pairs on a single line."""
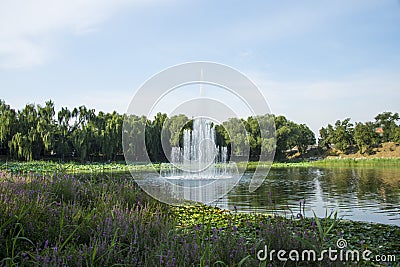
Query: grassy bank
{"points": [[358, 162], [251, 166], [78, 220], [50, 167]]}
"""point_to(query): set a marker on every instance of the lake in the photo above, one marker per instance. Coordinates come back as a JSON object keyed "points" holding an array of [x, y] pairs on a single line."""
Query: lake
{"points": [[361, 194]]}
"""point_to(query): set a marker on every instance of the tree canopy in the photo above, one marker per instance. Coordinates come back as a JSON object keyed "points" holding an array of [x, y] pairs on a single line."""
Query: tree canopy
{"points": [[39, 131], [362, 135]]}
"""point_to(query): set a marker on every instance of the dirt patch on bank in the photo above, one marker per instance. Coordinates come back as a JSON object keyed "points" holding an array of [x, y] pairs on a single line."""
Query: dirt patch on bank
{"points": [[386, 150]]}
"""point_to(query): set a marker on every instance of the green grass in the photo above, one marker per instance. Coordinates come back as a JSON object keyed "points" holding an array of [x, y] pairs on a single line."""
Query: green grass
{"points": [[358, 162], [50, 167], [59, 219], [251, 166]]}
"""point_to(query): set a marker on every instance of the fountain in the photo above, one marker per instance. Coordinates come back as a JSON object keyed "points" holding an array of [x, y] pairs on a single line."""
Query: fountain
{"points": [[200, 157]]}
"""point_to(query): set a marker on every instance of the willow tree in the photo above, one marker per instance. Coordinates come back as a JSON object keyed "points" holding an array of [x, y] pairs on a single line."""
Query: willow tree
{"points": [[8, 124], [283, 136], [266, 139], [173, 129], [64, 131], [46, 125], [83, 132], [26, 143], [236, 136], [134, 131], [261, 130], [154, 146], [109, 129]]}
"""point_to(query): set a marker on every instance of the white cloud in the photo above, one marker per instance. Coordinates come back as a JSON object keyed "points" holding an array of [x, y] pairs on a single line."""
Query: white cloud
{"points": [[20, 51], [28, 28]]}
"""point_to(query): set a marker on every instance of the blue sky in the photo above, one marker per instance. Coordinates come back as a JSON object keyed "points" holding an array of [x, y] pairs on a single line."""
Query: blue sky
{"points": [[315, 61]]}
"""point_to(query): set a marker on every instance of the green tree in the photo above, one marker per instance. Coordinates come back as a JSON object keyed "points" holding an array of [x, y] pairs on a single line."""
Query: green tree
{"points": [[26, 143], [388, 121], [46, 125], [34, 132], [326, 137], [261, 130], [83, 132], [290, 134], [153, 138], [8, 125], [63, 142], [343, 134], [173, 129], [305, 138], [365, 137], [282, 136], [134, 141], [236, 137], [220, 134], [254, 136], [114, 135], [108, 131]]}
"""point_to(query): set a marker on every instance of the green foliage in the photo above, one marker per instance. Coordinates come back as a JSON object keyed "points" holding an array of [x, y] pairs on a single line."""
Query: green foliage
{"points": [[154, 143], [305, 137], [105, 220], [39, 132], [36, 132], [135, 128], [109, 134], [27, 142], [78, 222], [388, 122], [362, 162], [290, 134], [365, 136], [326, 137], [261, 138], [8, 120], [325, 226], [343, 134], [340, 136], [236, 136]]}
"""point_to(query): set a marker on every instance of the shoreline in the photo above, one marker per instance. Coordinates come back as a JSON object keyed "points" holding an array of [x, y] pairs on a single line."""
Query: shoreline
{"points": [[75, 167]]}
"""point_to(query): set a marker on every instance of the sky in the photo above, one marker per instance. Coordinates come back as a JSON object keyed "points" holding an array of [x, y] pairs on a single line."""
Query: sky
{"points": [[314, 61]]}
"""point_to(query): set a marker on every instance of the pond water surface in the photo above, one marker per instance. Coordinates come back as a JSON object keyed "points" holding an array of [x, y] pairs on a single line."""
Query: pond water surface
{"points": [[362, 194]]}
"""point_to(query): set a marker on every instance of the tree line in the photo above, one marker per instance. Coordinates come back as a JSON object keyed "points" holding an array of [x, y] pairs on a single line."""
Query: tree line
{"points": [[38, 131], [345, 135]]}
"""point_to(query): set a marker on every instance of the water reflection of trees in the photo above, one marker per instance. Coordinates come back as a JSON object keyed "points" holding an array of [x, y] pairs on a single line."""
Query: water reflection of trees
{"points": [[281, 187], [340, 185], [362, 183]]}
